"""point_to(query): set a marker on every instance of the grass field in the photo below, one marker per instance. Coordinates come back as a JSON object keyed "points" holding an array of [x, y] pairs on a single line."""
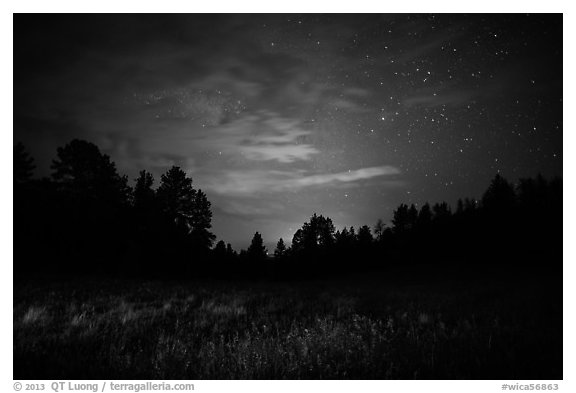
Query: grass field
{"points": [[357, 328]]}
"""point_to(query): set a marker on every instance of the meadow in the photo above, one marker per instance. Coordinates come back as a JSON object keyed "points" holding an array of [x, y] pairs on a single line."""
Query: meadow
{"points": [[374, 327]]}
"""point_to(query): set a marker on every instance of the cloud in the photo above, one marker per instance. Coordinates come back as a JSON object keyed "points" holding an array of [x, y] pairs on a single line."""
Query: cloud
{"points": [[262, 136], [357, 92], [211, 107], [243, 207], [350, 176], [250, 182], [281, 153], [349, 106]]}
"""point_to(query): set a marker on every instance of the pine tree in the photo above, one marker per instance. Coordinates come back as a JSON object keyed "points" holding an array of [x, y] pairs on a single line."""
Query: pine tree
{"points": [[176, 196], [94, 201], [230, 252], [441, 212], [379, 229], [412, 216], [400, 219], [424, 216], [144, 195], [499, 196], [352, 234], [201, 221], [23, 164], [470, 205], [365, 236], [280, 251], [257, 252], [460, 206], [187, 208], [298, 241], [220, 249], [84, 173]]}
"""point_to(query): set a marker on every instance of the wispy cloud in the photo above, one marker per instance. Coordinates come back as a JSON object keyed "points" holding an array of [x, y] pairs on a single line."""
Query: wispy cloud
{"points": [[284, 153], [243, 207], [357, 92], [262, 181], [349, 176], [348, 105], [211, 107], [262, 136]]}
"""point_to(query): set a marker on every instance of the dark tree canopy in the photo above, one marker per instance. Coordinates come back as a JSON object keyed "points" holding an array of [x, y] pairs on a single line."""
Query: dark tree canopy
{"points": [[201, 221], [230, 251], [257, 251], [400, 221], [86, 212], [144, 195], [424, 216], [345, 238], [23, 164], [500, 194], [82, 171], [365, 236], [441, 211], [188, 208], [220, 249], [298, 240], [176, 196], [280, 250], [318, 232], [379, 229]]}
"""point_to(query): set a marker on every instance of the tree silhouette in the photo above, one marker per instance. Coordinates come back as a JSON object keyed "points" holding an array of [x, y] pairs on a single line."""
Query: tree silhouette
{"points": [[201, 221], [441, 212], [460, 206], [187, 218], [345, 238], [499, 196], [325, 229], [23, 164], [88, 213], [298, 240], [365, 236], [144, 197], [90, 204], [83, 172], [280, 251], [256, 251], [352, 234], [230, 252], [30, 217], [424, 217], [379, 229], [412, 216], [147, 219], [470, 205], [176, 197], [318, 232], [400, 221], [220, 249]]}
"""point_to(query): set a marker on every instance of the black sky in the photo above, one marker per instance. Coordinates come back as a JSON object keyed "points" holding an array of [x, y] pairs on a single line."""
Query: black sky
{"points": [[276, 117]]}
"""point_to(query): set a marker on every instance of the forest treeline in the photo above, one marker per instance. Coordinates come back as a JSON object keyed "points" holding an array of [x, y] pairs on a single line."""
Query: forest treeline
{"points": [[87, 219]]}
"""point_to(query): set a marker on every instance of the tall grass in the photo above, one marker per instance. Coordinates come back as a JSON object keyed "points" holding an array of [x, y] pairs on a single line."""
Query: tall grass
{"points": [[220, 331]]}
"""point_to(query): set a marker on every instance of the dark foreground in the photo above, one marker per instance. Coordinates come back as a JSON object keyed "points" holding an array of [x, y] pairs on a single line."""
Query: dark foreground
{"points": [[492, 326]]}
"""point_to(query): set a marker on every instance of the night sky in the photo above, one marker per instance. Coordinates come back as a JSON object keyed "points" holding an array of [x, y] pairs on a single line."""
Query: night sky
{"points": [[276, 117]]}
